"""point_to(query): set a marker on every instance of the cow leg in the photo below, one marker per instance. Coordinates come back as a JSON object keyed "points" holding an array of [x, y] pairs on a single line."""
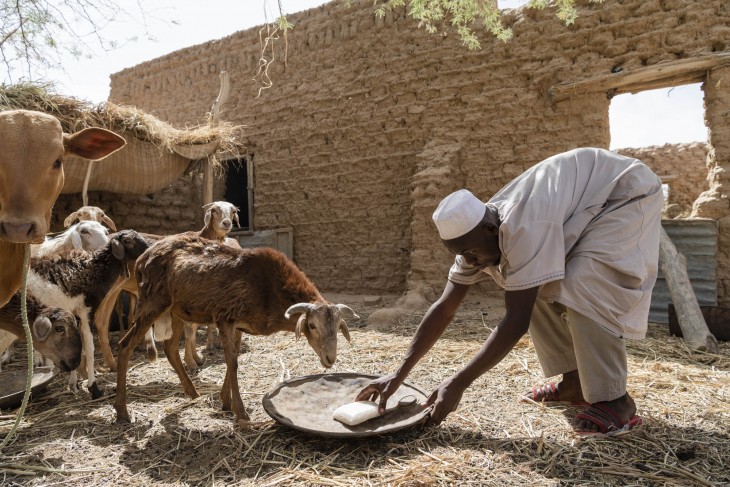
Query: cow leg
{"points": [[172, 352]]}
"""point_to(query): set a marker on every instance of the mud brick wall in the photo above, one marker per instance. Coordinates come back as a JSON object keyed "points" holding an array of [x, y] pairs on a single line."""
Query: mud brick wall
{"points": [[686, 166], [346, 142]]}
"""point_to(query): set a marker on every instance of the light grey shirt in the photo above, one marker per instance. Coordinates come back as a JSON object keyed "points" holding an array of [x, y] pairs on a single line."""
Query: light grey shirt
{"points": [[584, 227]]}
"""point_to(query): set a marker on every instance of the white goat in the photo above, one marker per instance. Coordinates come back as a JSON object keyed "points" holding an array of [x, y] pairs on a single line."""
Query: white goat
{"points": [[219, 218], [85, 235]]}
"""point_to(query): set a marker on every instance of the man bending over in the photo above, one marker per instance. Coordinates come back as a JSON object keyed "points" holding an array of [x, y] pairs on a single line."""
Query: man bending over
{"points": [[574, 243]]}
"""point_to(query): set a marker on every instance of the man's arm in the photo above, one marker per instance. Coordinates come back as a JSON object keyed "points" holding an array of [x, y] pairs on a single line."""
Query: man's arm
{"points": [[432, 326], [503, 338]]}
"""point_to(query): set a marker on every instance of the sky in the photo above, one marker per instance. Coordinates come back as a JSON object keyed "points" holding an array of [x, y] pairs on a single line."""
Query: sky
{"points": [[650, 118]]}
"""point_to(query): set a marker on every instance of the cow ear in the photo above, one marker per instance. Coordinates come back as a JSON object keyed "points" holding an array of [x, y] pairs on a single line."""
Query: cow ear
{"points": [[42, 328], [93, 143]]}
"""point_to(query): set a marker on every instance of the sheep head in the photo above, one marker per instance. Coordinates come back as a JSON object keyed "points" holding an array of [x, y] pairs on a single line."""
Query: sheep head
{"points": [[127, 245], [320, 324], [89, 236], [57, 337], [89, 213]]}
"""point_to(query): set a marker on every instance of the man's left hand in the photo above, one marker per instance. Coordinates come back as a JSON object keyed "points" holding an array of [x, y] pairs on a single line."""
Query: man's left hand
{"points": [[444, 399]]}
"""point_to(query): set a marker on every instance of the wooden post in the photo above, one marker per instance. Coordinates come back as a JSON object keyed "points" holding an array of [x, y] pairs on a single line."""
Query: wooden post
{"points": [[214, 117], [674, 267]]}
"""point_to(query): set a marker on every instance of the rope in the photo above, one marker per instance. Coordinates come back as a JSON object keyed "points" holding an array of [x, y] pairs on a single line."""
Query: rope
{"points": [[29, 341]]}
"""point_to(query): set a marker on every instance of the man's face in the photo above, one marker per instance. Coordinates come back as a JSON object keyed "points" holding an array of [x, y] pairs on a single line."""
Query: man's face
{"points": [[479, 248]]}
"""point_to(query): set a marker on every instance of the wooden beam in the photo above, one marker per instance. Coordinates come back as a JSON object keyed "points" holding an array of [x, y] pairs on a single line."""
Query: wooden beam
{"points": [[215, 116], [674, 267], [660, 75]]}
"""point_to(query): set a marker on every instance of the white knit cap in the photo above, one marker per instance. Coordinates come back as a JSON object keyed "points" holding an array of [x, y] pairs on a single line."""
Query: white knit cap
{"points": [[457, 214]]}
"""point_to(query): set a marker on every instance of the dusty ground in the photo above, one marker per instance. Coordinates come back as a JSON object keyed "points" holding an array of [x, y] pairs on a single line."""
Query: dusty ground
{"points": [[490, 440]]}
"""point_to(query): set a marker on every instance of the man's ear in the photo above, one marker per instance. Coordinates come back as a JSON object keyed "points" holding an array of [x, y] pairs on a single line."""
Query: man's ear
{"points": [[490, 228]]}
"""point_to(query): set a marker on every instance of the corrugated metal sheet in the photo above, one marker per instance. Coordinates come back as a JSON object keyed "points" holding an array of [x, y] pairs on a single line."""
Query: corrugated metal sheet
{"points": [[697, 241]]}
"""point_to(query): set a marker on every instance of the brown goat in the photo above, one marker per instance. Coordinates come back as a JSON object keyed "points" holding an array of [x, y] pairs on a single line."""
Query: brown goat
{"points": [[54, 330], [257, 291]]}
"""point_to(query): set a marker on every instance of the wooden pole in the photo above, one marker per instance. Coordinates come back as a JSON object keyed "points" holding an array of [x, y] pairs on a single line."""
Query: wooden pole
{"points": [[674, 267], [214, 117]]}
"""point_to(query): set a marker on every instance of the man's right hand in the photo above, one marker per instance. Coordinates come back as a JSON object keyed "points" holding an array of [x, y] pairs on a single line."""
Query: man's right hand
{"points": [[384, 387]]}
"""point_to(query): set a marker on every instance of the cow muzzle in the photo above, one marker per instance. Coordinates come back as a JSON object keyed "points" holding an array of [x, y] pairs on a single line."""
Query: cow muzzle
{"points": [[21, 232]]}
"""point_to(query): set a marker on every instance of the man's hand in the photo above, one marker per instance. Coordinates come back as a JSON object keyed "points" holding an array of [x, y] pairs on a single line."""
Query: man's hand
{"points": [[384, 387], [444, 399]]}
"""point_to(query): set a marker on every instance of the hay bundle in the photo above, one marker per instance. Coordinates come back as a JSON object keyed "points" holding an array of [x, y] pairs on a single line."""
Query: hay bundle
{"points": [[158, 153]]}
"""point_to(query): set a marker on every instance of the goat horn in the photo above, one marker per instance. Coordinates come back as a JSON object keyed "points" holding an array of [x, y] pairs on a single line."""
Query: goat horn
{"points": [[298, 308], [341, 307]]}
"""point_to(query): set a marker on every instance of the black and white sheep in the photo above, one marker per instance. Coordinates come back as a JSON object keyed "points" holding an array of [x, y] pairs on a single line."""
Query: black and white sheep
{"points": [[78, 282], [54, 330], [256, 291]]}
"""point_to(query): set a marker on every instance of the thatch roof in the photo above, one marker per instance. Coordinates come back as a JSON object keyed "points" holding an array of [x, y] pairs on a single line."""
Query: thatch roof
{"points": [[156, 155]]}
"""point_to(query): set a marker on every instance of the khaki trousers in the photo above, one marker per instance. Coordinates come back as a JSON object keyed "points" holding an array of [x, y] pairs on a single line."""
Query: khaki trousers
{"points": [[566, 340]]}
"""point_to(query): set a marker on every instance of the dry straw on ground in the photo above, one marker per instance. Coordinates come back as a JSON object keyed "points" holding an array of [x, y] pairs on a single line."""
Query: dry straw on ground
{"points": [[492, 439]]}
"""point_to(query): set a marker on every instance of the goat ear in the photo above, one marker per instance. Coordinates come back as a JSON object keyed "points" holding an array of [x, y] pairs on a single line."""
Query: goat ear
{"points": [[71, 219], [109, 222], [117, 249], [345, 331], [235, 218], [42, 328], [76, 239], [206, 218], [301, 325]]}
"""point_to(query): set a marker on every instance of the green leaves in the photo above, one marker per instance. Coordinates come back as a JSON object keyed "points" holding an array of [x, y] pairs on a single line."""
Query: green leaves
{"points": [[461, 15]]}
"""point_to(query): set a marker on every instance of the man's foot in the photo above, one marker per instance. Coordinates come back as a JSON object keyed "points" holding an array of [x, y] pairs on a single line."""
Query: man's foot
{"points": [[606, 418], [567, 391]]}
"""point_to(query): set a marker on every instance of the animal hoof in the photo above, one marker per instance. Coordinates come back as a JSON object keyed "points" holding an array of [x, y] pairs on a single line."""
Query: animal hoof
{"points": [[123, 420], [198, 360], [96, 393], [152, 354]]}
